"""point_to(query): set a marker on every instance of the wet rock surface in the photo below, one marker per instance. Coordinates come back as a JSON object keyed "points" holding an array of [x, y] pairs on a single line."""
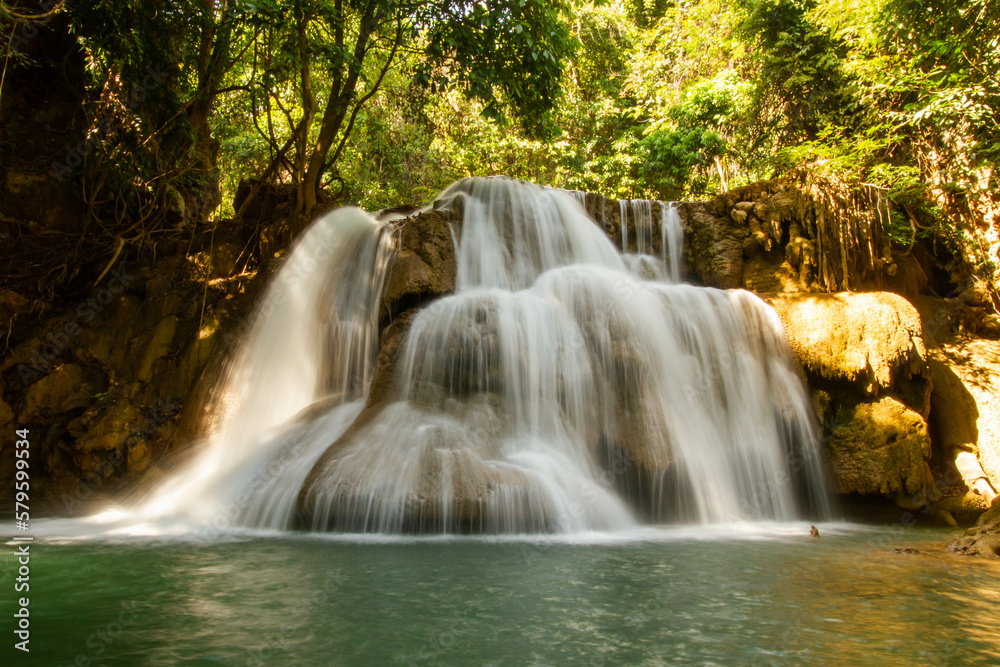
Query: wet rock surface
{"points": [[983, 539], [102, 383], [882, 448]]}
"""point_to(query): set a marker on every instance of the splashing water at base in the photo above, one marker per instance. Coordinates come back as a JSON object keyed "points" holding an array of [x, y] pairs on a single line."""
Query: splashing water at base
{"points": [[563, 387]]}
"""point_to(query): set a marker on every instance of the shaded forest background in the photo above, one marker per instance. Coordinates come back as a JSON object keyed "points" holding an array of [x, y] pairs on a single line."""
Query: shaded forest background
{"points": [[134, 128]]}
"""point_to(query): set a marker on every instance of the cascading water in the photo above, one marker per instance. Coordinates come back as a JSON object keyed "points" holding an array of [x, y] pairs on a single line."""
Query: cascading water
{"points": [[312, 343], [562, 387], [673, 240], [623, 217], [642, 217]]}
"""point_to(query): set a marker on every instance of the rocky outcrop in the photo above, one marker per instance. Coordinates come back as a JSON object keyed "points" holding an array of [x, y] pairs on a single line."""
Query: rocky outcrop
{"points": [[797, 241], [881, 448], [424, 267], [865, 360], [447, 470], [966, 411], [869, 341], [103, 383], [62, 390], [797, 233], [983, 539]]}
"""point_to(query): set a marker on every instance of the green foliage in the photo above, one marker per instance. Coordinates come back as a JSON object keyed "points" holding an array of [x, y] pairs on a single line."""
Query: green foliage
{"points": [[506, 53], [384, 102], [678, 160], [278, 86], [682, 149], [721, 101], [801, 87], [596, 146], [139, 88]]}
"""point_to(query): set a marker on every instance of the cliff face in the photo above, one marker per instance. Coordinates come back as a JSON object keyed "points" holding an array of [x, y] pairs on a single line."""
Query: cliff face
{"points": [[865, 359], [107, 382], [117, 378]]}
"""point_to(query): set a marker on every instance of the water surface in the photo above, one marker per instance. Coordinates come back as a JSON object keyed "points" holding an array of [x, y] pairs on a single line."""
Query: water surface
{"points": [[682, 596]]}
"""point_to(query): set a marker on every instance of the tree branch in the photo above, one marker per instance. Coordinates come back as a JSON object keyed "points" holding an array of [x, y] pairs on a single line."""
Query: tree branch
{"points": [[357, 107], [30, 18]]}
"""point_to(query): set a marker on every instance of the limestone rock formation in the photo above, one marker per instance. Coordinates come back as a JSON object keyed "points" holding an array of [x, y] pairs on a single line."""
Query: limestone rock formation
{"points": [[966, 411], [882, 448], [983, 539], [449, 472], [791, 234], [64, 389], [101, 384], [871, 340], [424, 266], [865, 359]]}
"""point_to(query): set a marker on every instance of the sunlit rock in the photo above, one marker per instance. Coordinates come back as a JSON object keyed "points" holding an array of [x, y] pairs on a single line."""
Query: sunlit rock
{"points": [[966, 411], [882, 448], [983, 539], [873, 340], [65, 388]]}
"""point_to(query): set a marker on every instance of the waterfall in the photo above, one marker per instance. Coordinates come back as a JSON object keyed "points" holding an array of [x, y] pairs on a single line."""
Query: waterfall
{"points": [[642, 215], [673, 239], [623, 216], [312, 341], [561, 387]]}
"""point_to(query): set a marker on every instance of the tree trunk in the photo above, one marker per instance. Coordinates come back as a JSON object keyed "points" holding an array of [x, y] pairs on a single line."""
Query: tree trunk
{"points": [[334, 114], [215, 43]]}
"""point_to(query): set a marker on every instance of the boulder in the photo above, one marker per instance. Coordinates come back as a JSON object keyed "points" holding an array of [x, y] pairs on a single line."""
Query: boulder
{"points": [[387, 380], [869, 341], [65, 388], [882, 448], [448, 467], [715, 245], [424, 266], [983, 539], [106, 428], [152, 346]]}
